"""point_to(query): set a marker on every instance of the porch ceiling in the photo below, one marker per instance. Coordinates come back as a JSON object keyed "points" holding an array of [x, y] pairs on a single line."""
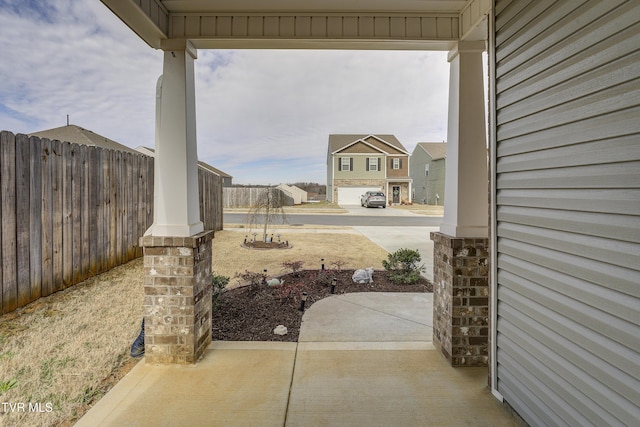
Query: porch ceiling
{"points": [[315, 6], [309, 24]]}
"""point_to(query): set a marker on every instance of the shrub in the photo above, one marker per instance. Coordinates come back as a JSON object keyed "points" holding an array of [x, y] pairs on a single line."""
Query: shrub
{"points": [[218, 283], [289, 291], [254, 279], [338, 264], [403, 266], [294, 266]]}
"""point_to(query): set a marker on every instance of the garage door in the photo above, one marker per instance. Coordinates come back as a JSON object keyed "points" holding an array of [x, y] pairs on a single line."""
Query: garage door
{"points": [[351, 195]]}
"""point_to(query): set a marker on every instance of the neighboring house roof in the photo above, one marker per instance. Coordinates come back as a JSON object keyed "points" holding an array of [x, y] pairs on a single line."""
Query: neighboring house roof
{"points": [[152, 151], [339, 142], [78, 135], [436, 150]]}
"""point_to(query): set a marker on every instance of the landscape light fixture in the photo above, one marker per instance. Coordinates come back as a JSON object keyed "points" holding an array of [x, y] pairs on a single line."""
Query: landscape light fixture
{"points": [[333, 285], [322, 266], [303, 301]]}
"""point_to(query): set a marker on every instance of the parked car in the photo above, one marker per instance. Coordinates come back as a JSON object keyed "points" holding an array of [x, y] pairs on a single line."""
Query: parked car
{"points": [[373, 199]]}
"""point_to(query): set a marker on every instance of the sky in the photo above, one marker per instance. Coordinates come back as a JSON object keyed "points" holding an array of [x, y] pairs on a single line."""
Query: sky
{"points": [[263, 116]]}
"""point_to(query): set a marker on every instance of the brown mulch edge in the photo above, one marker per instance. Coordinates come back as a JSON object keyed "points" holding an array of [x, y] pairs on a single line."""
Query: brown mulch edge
{"points": [[251, 312]]}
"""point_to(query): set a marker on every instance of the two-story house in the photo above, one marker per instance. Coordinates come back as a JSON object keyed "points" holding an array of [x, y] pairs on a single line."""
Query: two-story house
{"points": [[360, 163], [427, 166]]}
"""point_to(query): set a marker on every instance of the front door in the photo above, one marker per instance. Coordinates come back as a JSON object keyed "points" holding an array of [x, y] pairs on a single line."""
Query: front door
{"points": [[396, 194]]}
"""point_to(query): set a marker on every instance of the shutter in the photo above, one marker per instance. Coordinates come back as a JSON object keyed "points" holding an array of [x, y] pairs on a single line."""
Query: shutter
{"points": [[379, 163], [339, 163], [400, 163], [567, 86], [367, 164], [350, 163]]}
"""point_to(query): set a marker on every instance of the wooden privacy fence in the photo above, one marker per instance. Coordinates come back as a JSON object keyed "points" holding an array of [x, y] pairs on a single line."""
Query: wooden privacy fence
{"points": [[69, 212], [239, 197]]}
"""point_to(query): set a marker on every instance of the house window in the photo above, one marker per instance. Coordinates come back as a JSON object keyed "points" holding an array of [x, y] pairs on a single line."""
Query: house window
{"points": [[373, 164], [345, 163], [426, 169], [396, 163]]}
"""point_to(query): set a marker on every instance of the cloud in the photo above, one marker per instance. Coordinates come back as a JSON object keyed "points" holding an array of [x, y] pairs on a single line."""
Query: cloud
{"points": [[284, 104], [263, 116]]}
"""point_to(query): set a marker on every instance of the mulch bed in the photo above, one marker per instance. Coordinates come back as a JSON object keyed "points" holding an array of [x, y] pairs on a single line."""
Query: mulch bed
{"points": [[250, 313]]}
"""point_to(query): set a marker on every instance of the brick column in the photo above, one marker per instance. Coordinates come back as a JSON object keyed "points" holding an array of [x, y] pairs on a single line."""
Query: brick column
{"points": [[177, 302], [461, 299]]}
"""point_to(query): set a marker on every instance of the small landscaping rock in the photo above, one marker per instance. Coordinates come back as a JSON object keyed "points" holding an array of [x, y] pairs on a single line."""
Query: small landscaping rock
{"points": [[280, 330]]}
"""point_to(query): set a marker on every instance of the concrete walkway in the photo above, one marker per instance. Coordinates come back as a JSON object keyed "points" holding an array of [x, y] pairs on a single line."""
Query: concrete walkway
{"points": [[361, 360]]}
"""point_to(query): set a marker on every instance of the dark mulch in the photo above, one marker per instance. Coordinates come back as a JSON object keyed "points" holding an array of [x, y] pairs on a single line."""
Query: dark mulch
{"points": [[250, 313], [258, 244]]}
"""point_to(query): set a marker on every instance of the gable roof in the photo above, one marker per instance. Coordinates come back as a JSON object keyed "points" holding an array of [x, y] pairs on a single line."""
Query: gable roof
{"points": [[339, 142], [436, 150], [207, 166], [78, 135]]}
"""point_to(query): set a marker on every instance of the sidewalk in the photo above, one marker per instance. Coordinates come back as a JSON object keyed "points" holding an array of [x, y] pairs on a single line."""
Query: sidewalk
{"points": [[362, 360]]}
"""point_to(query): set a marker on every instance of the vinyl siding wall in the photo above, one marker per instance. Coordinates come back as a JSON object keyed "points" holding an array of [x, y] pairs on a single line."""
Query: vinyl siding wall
{"points": [[567, 214], [359, 167]]}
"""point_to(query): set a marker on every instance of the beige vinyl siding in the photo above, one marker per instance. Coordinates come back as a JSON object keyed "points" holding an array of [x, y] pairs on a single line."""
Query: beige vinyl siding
{"points": [[359, 168], [568, 210]]}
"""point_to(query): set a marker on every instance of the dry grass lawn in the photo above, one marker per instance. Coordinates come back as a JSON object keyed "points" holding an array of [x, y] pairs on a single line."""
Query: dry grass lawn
{"points": [[68, 349], [354, 250]]}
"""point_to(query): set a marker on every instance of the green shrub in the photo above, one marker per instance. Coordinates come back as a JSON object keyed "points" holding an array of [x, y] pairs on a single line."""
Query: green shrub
{"points": [[218, 283], [404, 266]]}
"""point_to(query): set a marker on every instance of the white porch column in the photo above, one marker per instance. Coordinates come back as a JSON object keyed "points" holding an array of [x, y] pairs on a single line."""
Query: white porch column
{"points": [[176, 210], [466, 180]]}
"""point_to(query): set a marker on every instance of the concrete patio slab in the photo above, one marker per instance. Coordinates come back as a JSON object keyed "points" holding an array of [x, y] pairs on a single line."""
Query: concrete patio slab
{"points": [[369, 316], [235, 383], [352, 384]]}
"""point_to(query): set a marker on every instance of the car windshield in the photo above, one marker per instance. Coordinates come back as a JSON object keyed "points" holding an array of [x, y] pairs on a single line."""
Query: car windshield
{"points": [[376, 194]]}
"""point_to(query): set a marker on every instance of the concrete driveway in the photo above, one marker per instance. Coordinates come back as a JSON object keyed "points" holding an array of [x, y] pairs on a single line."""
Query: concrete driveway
{"points": [[393, 238]]}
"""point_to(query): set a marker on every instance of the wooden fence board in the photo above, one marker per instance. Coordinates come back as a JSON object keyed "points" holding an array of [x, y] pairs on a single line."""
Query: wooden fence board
{"points": [[135, 202], [23, 216], [94, 171], [84, 213], [67, 220], [35, 218], [117, 196], [76, 213], [47, 160], [8, 193], [100, 258], [127, 226], [58, 210]]}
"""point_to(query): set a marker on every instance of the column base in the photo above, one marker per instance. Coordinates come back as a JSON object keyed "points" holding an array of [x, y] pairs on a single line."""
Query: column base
{"points": [[177, 302], [461, 299]]}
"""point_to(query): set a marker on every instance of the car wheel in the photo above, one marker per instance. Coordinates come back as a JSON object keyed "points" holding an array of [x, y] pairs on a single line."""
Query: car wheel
{"points": [[383, 207]]}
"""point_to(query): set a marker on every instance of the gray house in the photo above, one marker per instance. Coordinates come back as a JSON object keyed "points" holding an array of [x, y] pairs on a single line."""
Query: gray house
{"points": [[427, 169]]}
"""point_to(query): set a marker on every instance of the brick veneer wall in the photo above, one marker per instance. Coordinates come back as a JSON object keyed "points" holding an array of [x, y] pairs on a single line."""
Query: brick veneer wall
{"points": [[461, 299], [177, 302]]}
